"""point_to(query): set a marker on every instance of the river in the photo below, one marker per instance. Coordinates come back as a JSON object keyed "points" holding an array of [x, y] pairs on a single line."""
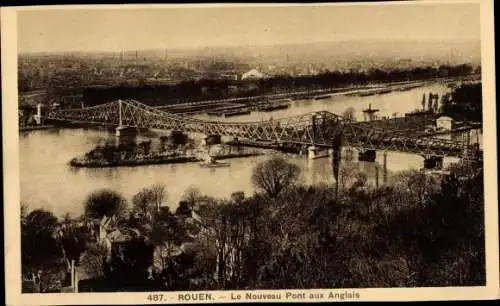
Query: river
{"points": [[48, 182]]}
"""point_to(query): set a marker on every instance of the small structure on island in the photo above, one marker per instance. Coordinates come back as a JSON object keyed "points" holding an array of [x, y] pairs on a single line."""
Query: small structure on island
{"points": [[444, 123], [369, 113]]}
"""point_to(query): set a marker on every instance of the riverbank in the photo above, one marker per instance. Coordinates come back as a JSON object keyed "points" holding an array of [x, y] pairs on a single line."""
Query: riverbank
{"points": [[240, 106], [35, 128], [311, 94], [151, 160]]}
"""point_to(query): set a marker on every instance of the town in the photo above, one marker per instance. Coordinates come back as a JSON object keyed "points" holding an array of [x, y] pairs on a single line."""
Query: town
{"points": [[337, 163]]}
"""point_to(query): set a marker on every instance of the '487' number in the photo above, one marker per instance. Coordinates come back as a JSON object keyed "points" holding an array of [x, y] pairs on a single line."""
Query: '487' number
{"points": [[156, 297]]}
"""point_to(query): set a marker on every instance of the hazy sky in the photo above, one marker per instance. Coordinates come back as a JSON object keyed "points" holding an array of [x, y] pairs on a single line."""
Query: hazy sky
{"points": [[132, 29]]}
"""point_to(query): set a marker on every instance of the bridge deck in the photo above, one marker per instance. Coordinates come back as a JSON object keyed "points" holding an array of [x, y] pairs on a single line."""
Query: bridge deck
{"points": [[319, 128]]}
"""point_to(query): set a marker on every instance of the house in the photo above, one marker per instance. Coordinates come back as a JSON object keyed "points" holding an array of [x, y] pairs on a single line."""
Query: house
{"points": [[444, 123]]}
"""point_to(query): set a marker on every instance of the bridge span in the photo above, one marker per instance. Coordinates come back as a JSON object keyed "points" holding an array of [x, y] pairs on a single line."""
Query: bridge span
{"points": [[313, 129]]}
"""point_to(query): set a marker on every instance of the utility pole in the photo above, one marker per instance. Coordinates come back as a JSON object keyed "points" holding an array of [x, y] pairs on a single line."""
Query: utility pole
{"points": [[336, 156], [385, 167], [120, 112]]}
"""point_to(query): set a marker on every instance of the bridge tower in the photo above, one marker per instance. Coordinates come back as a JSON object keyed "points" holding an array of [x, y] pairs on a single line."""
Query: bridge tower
{"points": [[38, 117], [312, 150], [124, 133]]}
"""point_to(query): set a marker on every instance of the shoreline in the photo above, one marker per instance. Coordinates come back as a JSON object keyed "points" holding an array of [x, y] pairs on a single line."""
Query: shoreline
{"points": [[75, 163], [311, 94], [35, 128]]}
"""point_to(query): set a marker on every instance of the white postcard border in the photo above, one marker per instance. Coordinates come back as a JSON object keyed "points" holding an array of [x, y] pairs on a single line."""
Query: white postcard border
{"points": [[12, 189]]}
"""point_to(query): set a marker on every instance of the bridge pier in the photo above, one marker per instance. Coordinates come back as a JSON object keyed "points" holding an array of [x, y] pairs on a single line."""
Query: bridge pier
{"points": [[210, 140], [38, 117], [433, 162], [124, 131], [312, 152], [367, 155], [125, 134]]}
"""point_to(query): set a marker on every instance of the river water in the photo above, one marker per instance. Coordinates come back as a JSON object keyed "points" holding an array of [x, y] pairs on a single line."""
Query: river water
{"points": [[48, 182]]}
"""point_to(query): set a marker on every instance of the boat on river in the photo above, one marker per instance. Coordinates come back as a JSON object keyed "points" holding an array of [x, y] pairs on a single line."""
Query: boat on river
{"points": [[241, 112], [212, 163], [322, 97], [366, 93], [270, 108], [384, 91]]}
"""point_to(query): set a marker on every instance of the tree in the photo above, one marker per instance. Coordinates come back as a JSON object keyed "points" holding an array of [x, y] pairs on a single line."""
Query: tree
{"points": [[24, 211], [436, 104], [349, 114], [159, 195], [431, 97], [192, 195], [105, 202], [349, 176], [238, 196], [143, 203], [105, 205], [446, 103], [145, 147], [66, 218], [39, 246], [72, 238], [149, 200], [183, 209], [274, 175], [162, 143]]}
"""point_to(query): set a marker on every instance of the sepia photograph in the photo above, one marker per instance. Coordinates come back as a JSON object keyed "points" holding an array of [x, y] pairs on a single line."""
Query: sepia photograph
{"points": [[245, 153]]}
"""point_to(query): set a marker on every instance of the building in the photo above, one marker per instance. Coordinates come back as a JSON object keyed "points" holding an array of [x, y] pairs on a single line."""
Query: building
{"points": [[253, 74], [444, 123]]}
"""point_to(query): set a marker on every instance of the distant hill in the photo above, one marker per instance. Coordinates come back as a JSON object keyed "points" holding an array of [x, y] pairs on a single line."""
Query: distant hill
{"points": [[452, 51]]}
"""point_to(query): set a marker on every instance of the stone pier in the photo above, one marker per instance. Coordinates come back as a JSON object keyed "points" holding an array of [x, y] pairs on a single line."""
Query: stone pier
{"points": [[312, 152], [210, 140], [125, 134]]}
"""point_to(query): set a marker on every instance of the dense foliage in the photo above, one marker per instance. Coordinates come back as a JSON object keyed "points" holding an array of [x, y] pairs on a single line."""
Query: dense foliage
{"points": [[417, 230], [464, 103]]}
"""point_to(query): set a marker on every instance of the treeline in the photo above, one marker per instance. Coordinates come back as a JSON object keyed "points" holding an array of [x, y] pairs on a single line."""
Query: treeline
{"points": [[207, 89], [464, 103], [418, 230]]}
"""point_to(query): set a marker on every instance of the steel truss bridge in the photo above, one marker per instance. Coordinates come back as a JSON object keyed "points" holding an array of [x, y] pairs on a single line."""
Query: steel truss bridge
{"points": [[318, 129]]}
